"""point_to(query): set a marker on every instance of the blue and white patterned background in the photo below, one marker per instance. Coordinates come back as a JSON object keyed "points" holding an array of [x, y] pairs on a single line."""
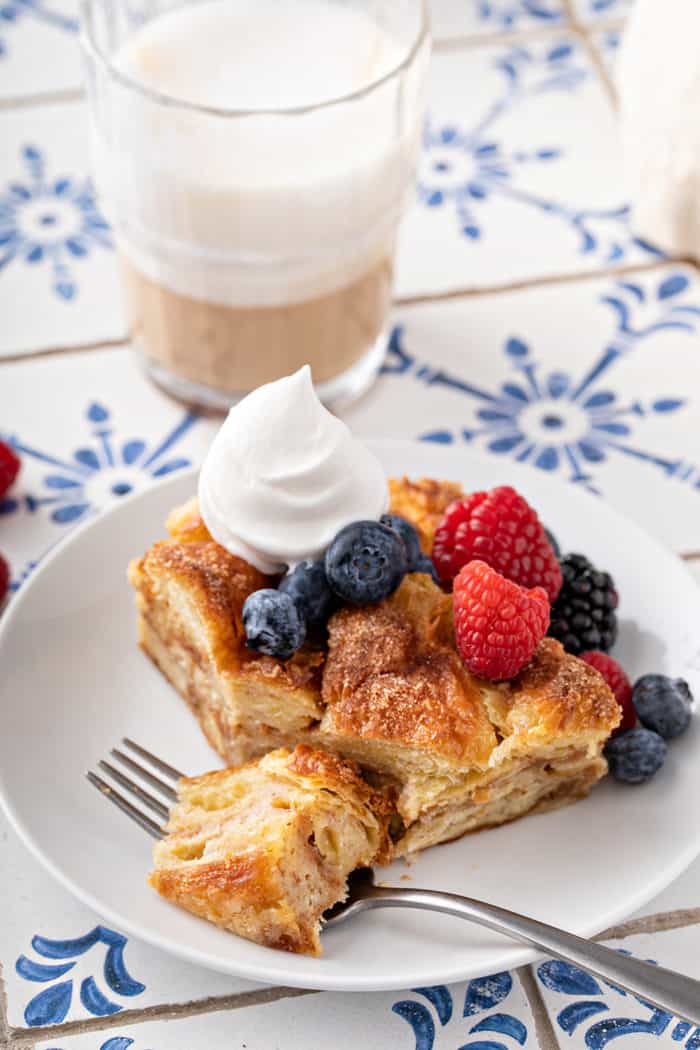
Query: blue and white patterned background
{"points": [[532, 323]]}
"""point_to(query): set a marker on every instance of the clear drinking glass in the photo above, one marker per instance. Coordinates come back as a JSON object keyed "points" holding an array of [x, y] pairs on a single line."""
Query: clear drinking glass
{"points": [[254, 240]]}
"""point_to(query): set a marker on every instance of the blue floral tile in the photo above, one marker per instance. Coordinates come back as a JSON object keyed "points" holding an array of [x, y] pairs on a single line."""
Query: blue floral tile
{"points": [[39, 49], [490, 1013], [588, 1013], [519, 177], [108, 434], [59, 283], [592, 10], [459, 18], [60, 963], [594, 382]]}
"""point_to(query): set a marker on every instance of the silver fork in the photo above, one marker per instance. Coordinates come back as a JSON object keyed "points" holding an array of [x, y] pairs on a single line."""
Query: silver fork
{"points": [[670, 991]]}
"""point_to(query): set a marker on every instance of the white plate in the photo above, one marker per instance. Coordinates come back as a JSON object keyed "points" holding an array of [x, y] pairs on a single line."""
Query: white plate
{"points": [[73, 682]]}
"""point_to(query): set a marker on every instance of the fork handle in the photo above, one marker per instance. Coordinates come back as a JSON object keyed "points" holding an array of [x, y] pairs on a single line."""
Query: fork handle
{"points": [[669, 991]]}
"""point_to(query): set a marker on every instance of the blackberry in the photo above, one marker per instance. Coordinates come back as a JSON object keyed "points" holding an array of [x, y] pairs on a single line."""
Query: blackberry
{"points": [[583, 616]]}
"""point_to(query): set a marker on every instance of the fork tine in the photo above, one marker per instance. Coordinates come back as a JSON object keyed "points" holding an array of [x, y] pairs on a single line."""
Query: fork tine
{"points": [[145, 773], [169, 771], [125, 806], [144, 796]]}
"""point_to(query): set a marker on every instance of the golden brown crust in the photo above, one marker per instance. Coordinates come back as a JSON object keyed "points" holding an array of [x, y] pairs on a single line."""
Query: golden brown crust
{"points": [[392, 675], [560, 696], [423, 502], [185, 523], [216, 582]]}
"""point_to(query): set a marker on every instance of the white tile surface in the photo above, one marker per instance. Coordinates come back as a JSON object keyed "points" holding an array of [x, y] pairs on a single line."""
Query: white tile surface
{"points": [[457, 18], [34, 905], [587, 1015], [39, 50], [385, 1021], [520, 172], [58, 271], [501, 373]]}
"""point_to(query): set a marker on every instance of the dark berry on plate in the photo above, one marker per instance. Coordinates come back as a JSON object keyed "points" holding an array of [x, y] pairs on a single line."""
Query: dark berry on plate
{"points": [[409, 535], [618, 681], [9, 467], [4, 579], [636, 755], [663, 704], [307, 585], [502, 529], [583, 616], [272, 623], [365, 562], [425, 564], [553, 542]]}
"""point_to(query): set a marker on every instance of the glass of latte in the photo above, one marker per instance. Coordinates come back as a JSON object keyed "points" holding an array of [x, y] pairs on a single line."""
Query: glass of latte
{"points": [[254, 158]]}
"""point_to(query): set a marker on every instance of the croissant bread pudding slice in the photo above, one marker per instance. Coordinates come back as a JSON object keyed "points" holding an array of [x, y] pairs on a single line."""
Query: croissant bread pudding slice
{"points": [[265, 849], [387, 688]]}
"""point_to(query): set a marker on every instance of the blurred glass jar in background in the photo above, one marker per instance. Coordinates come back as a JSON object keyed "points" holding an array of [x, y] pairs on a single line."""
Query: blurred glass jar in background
{"points": [[254, 158]]}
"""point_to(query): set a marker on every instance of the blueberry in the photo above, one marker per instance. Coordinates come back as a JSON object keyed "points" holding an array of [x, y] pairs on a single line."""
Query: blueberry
{"points": [[425, 564], [553, 542], [407, 532], [663, 704], [636, 755], [308, 587], [272, 623], [365, 562]]}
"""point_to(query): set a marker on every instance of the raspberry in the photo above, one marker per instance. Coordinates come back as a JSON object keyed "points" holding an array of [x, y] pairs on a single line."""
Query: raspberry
{"points": [[9, 467], [500, 528], [618, 682], [498, 624], [4, 579]]}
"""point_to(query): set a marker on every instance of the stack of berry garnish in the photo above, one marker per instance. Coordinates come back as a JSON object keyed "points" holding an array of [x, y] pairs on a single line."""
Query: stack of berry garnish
{"points": [[365, 563], [511, 586], [9, 469], [495, 552]]}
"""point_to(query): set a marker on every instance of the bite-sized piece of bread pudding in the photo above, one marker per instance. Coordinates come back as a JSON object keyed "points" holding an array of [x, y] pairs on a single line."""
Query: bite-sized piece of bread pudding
{"points": [[265, 849]]}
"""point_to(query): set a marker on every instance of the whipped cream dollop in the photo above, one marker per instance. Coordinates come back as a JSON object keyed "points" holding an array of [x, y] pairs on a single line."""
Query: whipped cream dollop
{"points": [[284, 475]]}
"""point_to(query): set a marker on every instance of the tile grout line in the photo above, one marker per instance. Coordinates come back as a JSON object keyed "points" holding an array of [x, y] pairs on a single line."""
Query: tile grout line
{"points": [[584, 33], [55, 351], [26, 1037], [468, 41], [546, 281], [659, 922], [48, 98], [545, 1034], [4, 1026]]}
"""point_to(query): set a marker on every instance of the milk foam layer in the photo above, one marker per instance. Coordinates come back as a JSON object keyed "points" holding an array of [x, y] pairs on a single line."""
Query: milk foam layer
{"points": [[283, 476], [265, 209]]}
